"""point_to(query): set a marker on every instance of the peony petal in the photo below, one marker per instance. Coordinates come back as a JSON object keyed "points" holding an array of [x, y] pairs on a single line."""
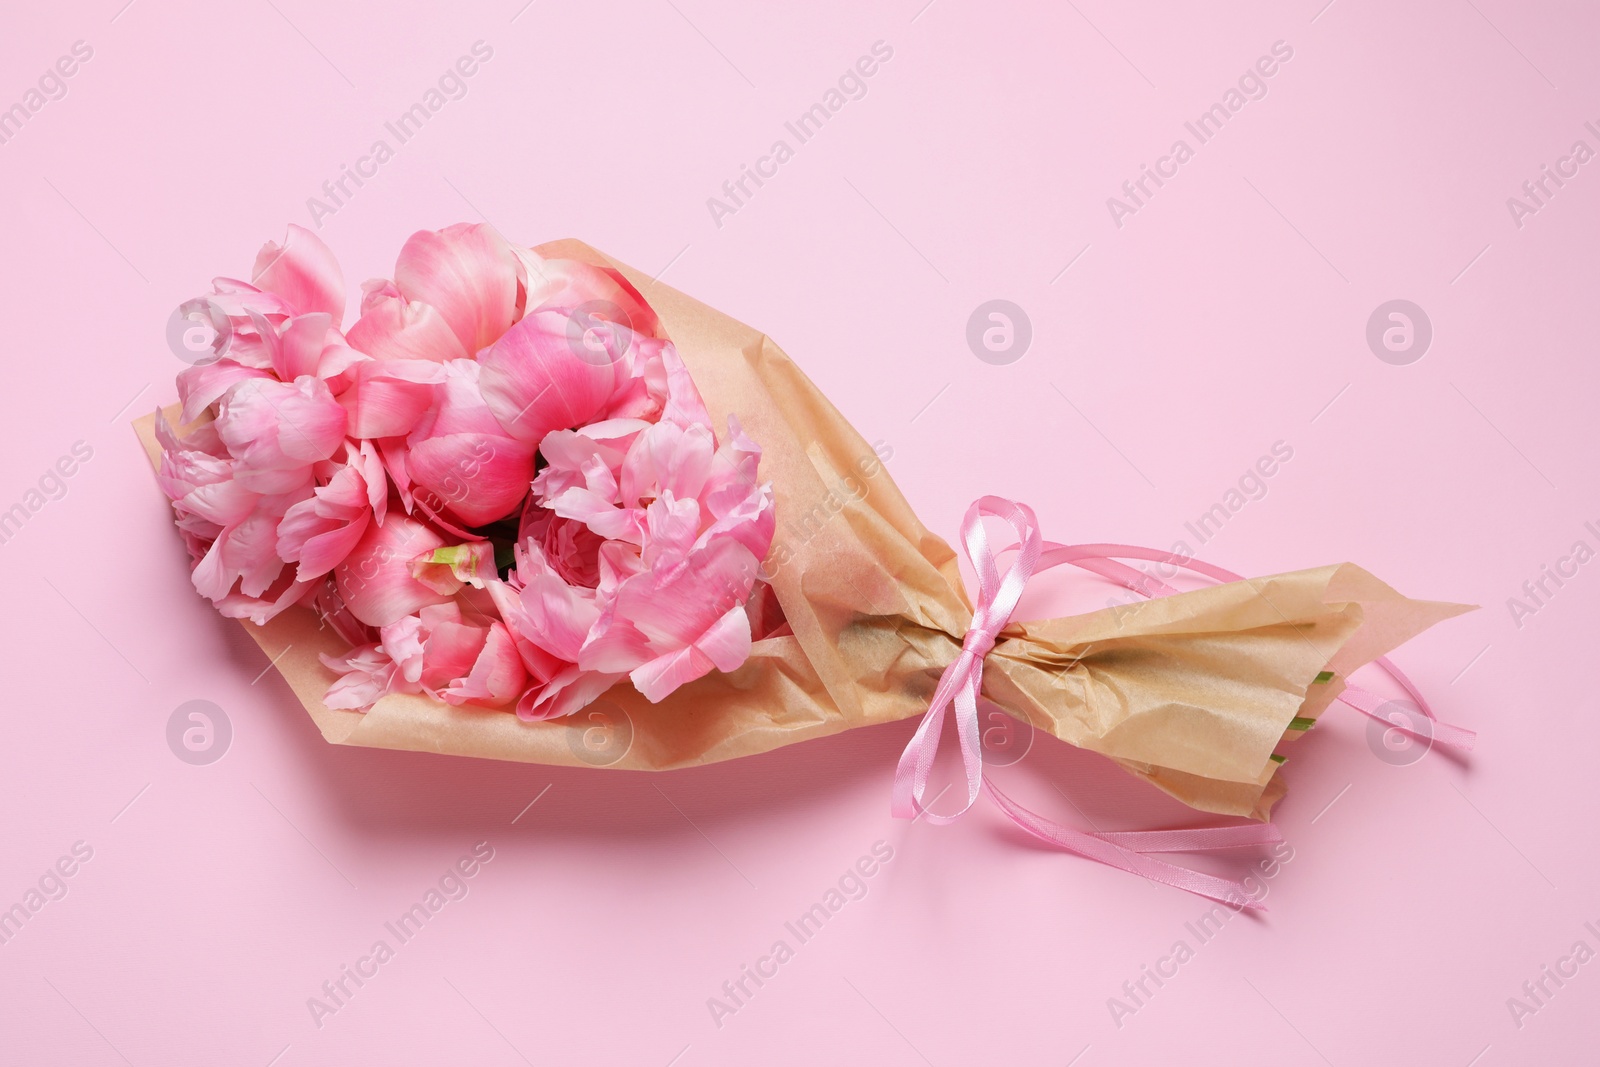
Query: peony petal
{"points": [[540, 665], [452, 649], [301, 343], [481, 479], [200, 386], [497, 676], [556, 616], [281, 426], [304, 272], [671, 610], [601, 292], [567, 692], [392, 327], [659, 677], [403, 641], [375, 579], [387, 398], [366, 674], [469, 274], [535, 380]]}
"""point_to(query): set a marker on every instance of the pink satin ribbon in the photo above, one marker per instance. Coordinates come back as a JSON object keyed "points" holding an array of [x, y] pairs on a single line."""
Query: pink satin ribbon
{"points": [[961, 685]]}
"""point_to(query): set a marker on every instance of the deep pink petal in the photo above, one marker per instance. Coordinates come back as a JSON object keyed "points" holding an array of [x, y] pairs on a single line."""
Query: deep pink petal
{"points": [[535, 380], [480, 478]]}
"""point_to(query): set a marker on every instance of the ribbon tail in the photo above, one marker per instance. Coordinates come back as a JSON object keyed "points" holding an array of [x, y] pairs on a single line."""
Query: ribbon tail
{"points": [[1102, 850], [1371, 704], [1197, 839]]}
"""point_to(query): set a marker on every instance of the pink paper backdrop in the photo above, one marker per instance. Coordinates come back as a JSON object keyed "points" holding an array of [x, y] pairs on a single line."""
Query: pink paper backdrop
{"points": [[1173, 342]]}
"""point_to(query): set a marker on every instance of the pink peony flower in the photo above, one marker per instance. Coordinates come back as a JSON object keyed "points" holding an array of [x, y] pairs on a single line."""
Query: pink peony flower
{"points": [[656, 589], [277, 431], [228, 528], [282, 326]]}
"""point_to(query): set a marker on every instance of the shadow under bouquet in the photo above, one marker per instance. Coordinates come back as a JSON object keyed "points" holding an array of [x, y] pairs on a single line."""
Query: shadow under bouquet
{"points": [[531, 505]]}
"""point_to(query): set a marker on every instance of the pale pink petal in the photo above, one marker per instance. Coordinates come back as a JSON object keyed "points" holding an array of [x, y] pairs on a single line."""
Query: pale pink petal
{"points": [[601, 292], [200, 386], [404, 641], [453, 648], [567, 692], [659, 677], [497, 676], [616, 645], [365, 674], [672, 526], [733, 476], [392, 327], [556, 616], [285, 593], [684, 404], [387, 398], [724, 646], [600, 515], [752, 522], [668, 458], [320, 532], [281, 426], [540, 665], [670, 610], [337, 361], [375, 579], [318, 542], [303, 272], [468, 273], [301, 342]]}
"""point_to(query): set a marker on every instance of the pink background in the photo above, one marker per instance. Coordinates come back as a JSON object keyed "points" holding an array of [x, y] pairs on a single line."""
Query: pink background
{"points": [[1227, 314]]}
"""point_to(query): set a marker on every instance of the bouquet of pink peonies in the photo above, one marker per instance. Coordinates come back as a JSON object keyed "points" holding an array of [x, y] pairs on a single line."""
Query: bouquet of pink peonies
{"points": [[517, 510], [501, 485]]}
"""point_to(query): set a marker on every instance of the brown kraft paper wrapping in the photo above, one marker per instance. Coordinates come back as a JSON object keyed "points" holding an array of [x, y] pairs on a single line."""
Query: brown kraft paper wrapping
{"points": [[1190, 692]]}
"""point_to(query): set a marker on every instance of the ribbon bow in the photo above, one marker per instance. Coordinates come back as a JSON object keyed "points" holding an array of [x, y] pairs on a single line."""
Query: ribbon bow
{"points": [[962, 681], [961, 686]]}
